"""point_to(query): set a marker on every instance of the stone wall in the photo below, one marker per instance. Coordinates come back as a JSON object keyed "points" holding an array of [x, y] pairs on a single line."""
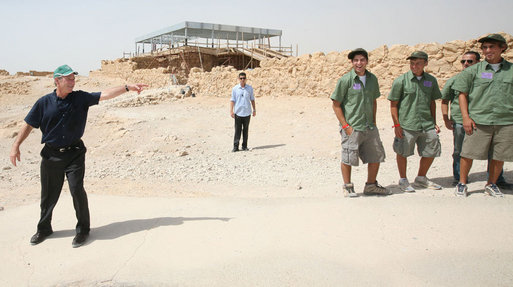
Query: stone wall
{"points": [[315, 75]]}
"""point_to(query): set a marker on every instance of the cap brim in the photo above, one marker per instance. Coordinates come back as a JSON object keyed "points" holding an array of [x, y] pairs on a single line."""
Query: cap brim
{"points": [[64, 75], [410, 57]]}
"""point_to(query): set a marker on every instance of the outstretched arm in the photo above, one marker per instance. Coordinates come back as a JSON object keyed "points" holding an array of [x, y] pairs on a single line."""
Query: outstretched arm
{"points": [[116, 91], [22, 135]]}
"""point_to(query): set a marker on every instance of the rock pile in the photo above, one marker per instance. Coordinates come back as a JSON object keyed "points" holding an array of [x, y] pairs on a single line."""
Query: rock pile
{"points": [[127, 71], [316, 75]]}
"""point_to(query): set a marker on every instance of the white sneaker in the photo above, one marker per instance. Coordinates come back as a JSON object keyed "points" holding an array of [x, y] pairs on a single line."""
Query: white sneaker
{"points": [[349, 190], [424, 182], [493, 190], [405, 185]]}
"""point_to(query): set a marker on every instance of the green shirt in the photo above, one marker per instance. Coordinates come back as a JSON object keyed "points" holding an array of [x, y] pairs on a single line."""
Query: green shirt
{"points": [[357, 100], [415, 97], [490, 93], [448, 93]]}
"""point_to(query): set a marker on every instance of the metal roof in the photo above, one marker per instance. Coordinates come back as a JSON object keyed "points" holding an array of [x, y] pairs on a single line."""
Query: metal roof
{"points": [[192, 30]]}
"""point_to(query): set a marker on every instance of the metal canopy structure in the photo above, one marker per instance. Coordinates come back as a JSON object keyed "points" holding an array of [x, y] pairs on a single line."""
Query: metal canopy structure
{"points": [[186, 32]]}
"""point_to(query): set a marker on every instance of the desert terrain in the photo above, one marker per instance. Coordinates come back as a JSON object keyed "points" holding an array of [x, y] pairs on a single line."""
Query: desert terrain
{"points": [[171, 205]]}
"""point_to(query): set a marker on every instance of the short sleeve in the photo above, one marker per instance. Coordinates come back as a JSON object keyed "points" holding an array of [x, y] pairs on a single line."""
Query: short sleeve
{"points": [[463, 82], [35, 116], [397, 90], [339, 94], [447, 93]]}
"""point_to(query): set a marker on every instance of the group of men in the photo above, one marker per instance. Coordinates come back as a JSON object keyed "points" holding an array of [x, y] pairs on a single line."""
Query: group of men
{"points": [[482, 123], [481, 118]]}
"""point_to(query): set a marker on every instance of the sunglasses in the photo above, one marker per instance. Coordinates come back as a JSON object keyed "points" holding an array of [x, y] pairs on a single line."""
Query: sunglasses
{"points": [[242, 78], [468, 61]]}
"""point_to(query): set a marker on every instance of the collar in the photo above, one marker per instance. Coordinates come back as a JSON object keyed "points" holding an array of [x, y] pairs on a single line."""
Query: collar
{"points": [[411, 76], [355, 76], [488, 66]]}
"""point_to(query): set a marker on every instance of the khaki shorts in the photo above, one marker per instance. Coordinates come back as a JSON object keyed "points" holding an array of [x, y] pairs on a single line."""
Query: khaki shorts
{"points": [[365, 145], [428, 143], [498, 140]]}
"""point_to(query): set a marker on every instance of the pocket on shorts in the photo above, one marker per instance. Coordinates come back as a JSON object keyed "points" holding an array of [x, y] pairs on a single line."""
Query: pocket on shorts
{"points": [[350, 156], [398, 145]]}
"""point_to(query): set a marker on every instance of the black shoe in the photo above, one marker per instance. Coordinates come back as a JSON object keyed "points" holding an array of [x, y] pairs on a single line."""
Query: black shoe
{"points": [[39, 237], [505, 185], [245, 148], [79, 239], [235, 149]]}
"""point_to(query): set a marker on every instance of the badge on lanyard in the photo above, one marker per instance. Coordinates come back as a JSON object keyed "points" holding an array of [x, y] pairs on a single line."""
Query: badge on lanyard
{"points": [[357, 86], [485, 75]]}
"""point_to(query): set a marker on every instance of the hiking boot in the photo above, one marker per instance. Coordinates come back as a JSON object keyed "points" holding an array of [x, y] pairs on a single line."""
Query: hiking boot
{"points": [[493, 190], [349, 190], [405, 185], [461, 189], [375, 189], [424, 182]]}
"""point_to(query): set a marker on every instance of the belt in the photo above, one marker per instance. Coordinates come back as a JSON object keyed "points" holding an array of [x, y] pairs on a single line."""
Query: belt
{"points": [[75, 146]]}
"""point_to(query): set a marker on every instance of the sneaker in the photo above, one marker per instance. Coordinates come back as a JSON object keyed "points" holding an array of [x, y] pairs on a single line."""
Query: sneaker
{"points": [[405, 185], [424, 182], [375, 189], [349, 190], [493, 190], [461, 189]]}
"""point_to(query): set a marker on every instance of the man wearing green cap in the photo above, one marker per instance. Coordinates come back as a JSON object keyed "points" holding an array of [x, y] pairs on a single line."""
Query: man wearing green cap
{"points": [[455, 122], [354, 104], [486, 103], [412, 104], [61, 116]]}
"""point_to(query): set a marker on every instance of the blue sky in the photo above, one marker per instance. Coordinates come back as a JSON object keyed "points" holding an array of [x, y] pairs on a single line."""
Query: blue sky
{"points": [[41, 35]]}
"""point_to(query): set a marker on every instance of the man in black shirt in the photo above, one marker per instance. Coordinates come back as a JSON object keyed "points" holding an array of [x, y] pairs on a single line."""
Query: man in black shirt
{"points": [[61, 116]]}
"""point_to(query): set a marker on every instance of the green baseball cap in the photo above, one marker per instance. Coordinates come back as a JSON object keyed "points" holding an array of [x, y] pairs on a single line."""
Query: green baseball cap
{"points": [[62, 71], [493, 38], [418, 55], [358, 51]]}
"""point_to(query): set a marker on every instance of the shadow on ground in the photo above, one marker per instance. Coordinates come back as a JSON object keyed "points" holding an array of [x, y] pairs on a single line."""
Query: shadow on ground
{"points": [[268, 146], [118, 229]]}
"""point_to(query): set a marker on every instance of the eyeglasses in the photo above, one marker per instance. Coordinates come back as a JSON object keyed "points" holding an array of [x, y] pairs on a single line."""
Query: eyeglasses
{"points": [[242, 78], [468, 61]]}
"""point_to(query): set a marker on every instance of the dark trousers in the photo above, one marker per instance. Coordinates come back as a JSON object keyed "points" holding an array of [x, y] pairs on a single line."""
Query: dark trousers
{"points": [[54, 166], [241, 126]]}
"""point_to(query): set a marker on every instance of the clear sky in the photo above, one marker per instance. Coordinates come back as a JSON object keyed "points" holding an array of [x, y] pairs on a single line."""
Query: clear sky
{"points": [[41, 35]]}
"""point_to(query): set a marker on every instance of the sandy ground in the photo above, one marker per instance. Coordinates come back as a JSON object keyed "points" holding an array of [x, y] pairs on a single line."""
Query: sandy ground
{"points": [[172, 205]]}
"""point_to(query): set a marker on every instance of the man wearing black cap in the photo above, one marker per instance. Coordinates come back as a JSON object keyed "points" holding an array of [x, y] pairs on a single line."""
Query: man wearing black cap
{"points": [[61, 116], [412, 104], [354, 104], [486, 103]]}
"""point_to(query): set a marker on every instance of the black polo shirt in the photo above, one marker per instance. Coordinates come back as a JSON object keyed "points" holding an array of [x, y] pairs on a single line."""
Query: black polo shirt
{"points": [[62, 121]]}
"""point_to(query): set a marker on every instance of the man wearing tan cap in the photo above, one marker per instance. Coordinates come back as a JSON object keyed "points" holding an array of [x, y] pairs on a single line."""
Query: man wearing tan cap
{"points": [[412, 104], [61, 116], [486, 103], [354, 104]]}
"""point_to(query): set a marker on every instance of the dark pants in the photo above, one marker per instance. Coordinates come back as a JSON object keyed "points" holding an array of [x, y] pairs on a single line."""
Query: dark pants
{"points": [[241, 126], [54, 166]]}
